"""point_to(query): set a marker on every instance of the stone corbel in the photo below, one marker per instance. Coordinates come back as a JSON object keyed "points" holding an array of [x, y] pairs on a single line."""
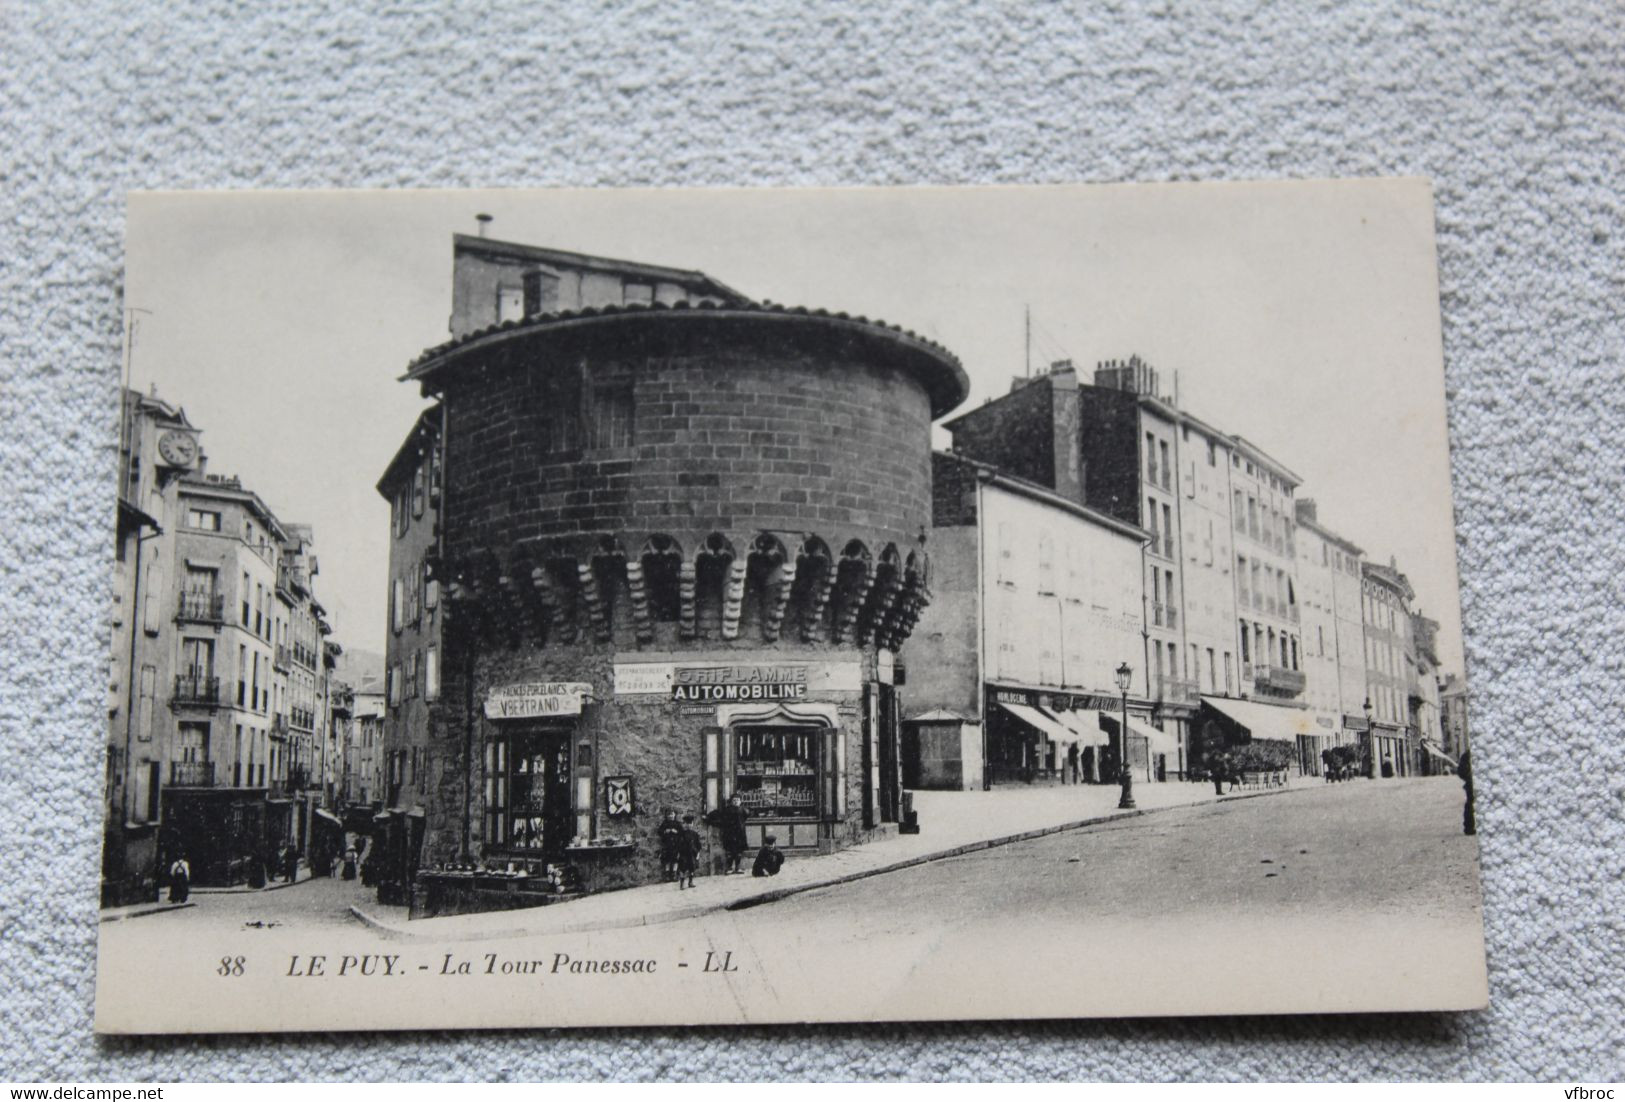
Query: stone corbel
{"points": [[733, 598], [779, 583], [642, 626], [688, 588]]}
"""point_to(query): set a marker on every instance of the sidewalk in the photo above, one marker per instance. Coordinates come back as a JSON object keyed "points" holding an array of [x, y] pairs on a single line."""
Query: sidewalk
{"points": [[136, 910], [300, 877], [951, 823]]}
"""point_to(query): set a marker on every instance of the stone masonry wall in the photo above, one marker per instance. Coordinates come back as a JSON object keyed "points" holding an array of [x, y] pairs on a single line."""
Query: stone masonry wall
{"points": [[734, 440]]}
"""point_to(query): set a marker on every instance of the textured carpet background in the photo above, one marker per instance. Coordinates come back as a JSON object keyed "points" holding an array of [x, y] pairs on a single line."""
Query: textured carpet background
{"points": [[1514, 111]]}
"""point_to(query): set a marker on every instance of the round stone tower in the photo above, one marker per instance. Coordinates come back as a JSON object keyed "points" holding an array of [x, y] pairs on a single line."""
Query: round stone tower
{"points": [[679, 549]]}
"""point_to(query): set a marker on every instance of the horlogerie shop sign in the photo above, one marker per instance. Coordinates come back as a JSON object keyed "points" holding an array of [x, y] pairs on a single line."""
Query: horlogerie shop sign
{"points": [[720, 684]]}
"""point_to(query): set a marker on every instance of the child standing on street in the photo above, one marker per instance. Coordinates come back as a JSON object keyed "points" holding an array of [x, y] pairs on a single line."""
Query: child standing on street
{"points": [[688, 858], [670, 836]]}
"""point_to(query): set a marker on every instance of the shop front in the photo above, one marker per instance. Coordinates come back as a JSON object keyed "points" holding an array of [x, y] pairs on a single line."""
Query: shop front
{"points": [[576, 777], [1264, 737], [1056, 737], [221, 832], [1387, 750], [1316, 734]]}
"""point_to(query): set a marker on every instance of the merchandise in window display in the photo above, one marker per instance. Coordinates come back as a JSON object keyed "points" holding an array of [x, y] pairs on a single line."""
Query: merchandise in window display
{"points": [[776, 771]]}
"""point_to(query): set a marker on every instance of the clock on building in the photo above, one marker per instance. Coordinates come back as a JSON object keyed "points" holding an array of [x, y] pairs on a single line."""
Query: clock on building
{"points": [[178, 448]]}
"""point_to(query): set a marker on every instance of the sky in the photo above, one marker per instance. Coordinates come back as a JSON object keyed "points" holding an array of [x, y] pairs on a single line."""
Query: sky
{"points": [[1303, 316]]}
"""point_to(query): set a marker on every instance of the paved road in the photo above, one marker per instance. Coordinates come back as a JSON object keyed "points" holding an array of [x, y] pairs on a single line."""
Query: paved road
{"points": [[1343, 896], [1394, 846], [310, 905]]}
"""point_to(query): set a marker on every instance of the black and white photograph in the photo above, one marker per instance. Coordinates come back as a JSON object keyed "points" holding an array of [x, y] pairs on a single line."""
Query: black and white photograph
{"points": [[633, 607]]}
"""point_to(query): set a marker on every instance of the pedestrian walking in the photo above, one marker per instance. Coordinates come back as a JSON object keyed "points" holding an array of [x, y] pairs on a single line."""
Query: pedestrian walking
{"points": [[290, 864], [1217, 767], [180, 880], [670, 837], [769, 859], [349, 863], [730, 819], [688, 858]]}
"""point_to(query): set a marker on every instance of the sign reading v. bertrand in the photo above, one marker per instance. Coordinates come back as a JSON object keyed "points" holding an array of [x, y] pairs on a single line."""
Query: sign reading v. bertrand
{"points": [[528, 699]]}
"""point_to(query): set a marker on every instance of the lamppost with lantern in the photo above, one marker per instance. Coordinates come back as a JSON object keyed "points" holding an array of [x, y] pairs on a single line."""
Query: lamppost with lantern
{"points": [[1125, 675], [1370, 741]]}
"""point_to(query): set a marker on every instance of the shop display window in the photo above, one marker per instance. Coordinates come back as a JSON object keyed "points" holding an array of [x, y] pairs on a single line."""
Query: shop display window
{"points": [[777, 771], [527, 791]]}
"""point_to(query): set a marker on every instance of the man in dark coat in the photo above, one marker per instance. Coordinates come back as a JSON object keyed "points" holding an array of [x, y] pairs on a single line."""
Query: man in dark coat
{"points": [[730, 819], [670, 836]]}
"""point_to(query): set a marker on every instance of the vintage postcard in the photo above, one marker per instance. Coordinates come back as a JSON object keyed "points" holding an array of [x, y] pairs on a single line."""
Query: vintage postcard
{"points": [[570, 608]]}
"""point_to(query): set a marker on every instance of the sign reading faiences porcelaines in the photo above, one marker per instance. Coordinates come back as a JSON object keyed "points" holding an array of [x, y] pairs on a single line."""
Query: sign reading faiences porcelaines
{"points": [[689, 563]]}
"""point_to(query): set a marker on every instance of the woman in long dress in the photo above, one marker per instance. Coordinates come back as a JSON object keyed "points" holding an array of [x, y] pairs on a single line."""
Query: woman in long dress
{"points": [[180, 880]]}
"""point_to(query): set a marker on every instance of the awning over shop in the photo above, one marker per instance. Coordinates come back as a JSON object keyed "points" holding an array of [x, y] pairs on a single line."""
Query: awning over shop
{"points": [[1265, 721], [1040, 721], [1162, 742], [323, 813], [936, 715], [1437, 751], [1085, 727]]}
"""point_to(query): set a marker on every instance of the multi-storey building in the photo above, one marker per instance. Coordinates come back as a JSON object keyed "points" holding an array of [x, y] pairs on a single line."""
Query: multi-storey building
{"points": [[296, 787], [1012, 672], [1204, 458], [205, 758], [341, 736], [227, 748], [413, 645], [1269, 621], [1332, 630], [678, 531], [157, 447], [362, 776], [1386, 601], [1222, 617], [1426, 721], [1453, 716]]}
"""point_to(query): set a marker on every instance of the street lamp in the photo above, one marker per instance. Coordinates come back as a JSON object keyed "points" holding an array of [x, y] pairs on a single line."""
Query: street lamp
{"points": [[1125, 675], [1370, 741]]}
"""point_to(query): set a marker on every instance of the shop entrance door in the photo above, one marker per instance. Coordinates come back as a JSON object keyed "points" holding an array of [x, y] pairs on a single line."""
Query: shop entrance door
{"points": [[539, 777], [891, 788]]}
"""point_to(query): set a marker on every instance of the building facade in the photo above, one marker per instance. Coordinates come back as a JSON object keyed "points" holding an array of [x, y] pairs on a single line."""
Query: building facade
{"points": [[1222, 616], [1012, 671], [1453, 716], [362, 776], [1386, 599], [415, 754], [1332, 630], [229, 751], [157, 447], [681, 540], [212, 728], [1426, 714]]}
